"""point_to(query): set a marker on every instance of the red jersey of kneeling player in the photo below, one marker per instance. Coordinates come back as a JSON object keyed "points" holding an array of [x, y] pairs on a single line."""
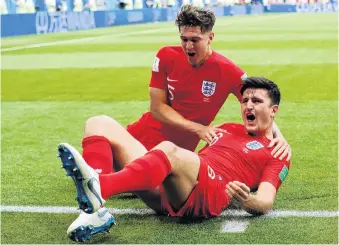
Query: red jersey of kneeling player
{"points": [[195, 93], [234, 155]]}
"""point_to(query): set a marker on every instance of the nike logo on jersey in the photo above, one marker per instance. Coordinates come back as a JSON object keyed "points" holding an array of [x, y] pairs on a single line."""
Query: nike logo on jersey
{"points": [[171, 80]]}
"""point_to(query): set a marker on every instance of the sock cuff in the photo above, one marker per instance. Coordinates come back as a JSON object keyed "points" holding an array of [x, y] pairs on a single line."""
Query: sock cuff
{"points": [[160, 154], [94, 139]]}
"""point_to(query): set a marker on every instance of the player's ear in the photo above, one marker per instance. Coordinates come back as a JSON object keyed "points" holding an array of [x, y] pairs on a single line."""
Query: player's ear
{"points": [[275, 109], [210, 37]]}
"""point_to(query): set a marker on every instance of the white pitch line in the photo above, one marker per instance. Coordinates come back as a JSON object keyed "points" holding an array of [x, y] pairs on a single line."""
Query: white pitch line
{"points": [[234, 226], [78, 40], [84, 39], [145, 211], [284, 213]]}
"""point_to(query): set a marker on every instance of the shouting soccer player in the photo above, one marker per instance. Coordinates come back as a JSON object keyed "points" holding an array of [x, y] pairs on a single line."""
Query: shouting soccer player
{"points": [[236, 163], [189, 85]]}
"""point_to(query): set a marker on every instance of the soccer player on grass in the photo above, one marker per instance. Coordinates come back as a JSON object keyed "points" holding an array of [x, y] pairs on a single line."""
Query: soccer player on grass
{"points": [[237, 162], [189, 85]]}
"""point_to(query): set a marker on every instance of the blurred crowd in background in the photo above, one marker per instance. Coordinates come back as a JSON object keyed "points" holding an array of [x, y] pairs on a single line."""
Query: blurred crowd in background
{"points": [[31, 6]]}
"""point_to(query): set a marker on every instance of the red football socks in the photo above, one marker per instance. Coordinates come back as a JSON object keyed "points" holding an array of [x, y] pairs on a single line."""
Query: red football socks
{"points": [[97, 152], [144, 173]]}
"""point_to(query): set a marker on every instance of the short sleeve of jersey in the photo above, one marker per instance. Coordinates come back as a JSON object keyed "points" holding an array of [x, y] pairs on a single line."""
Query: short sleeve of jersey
{"points": [[238, 76], [159, 73], [275, 172]]}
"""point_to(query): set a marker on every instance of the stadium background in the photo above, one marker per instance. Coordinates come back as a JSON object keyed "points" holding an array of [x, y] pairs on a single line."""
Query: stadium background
{"points": [[31, 6], [52, 83]]}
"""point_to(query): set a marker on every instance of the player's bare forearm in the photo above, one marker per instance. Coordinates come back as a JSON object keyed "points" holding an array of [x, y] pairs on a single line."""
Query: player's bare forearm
{"points": [[167, 115], [256, 206], [262, 201], [162, 112]]}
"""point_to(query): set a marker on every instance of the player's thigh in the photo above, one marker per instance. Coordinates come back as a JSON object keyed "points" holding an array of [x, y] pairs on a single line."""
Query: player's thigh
{"points": [[124, 146], [151, 198], [148, 136], [185, 170]]}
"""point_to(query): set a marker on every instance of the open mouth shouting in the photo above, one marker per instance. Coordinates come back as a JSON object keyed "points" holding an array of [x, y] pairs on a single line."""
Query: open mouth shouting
{"points": [[191, 54], [250, 117]]}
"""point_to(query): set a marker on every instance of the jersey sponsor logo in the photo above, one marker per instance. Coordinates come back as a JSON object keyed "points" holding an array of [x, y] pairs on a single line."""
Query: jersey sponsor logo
{"points": [[208, 88], [156, 64], [254, 145], [283, 173], [210, 172], [244, 76]]}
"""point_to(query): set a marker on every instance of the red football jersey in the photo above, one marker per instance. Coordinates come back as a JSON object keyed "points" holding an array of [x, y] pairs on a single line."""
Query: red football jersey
{"points": [[235, 155], [195, 93]]}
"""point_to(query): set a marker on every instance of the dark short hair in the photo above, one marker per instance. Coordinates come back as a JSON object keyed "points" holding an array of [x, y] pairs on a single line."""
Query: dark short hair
{"points": [[264, 83], [190, 15]]}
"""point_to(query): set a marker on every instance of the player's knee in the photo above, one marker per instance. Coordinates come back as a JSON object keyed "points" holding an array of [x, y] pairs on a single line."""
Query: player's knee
{"points": [[95, 122], [100, 125], [167, 147], [171, 151]]}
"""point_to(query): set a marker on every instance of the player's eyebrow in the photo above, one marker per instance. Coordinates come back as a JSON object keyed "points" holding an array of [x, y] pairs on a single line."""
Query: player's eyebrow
{"points": [[195, 38], [251, 98], [256, 98]]}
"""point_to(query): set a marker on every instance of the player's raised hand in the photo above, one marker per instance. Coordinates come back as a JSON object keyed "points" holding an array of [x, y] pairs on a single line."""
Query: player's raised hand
{"points": [[281, 148], [238, 191]]}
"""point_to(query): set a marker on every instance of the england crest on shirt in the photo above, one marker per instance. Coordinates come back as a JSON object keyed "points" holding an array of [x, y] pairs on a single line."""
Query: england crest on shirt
{"points": [[208, 88], [254, 145]]}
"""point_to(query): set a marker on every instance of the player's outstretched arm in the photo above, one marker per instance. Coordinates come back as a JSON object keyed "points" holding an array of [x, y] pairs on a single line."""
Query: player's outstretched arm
{"points": [[258, 204], [167, 115]]}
